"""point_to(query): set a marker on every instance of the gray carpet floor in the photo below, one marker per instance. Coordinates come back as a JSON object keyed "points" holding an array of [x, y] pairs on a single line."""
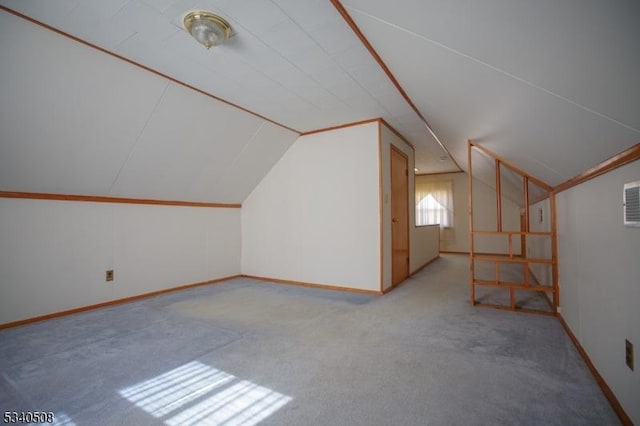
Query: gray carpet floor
{"points": [[248, 352]]}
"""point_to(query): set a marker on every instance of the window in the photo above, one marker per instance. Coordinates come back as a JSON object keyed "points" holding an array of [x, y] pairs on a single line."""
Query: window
{"points": [[434, 203]]}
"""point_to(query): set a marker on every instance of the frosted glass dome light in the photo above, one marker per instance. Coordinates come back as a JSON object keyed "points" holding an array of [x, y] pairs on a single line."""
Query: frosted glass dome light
{"points": [[207, 28]]}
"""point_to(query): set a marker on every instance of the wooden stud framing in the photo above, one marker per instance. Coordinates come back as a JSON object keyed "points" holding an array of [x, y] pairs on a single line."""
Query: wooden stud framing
{"points": [[510, 246], [506, 259], [508, 308], [554, 252], [381, 206], [526, 204], [471, 261], [498, 196], [512, 233], [512, 258], [513, 285], [507, 164]]}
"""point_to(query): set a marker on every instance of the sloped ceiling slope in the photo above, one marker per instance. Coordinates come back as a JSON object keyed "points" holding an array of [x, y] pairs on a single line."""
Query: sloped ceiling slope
{"points": [[551, 86], [295, 62], [74, 120]]}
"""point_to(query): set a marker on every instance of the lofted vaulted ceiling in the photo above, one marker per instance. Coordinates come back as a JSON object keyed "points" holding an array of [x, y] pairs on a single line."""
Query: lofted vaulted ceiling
{"points": [[551, 86], [295, 62], [76, 121]]}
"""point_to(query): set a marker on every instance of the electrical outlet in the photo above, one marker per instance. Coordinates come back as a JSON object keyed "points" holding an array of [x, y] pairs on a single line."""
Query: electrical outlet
{"points": [[109, 275], [629, 354]]}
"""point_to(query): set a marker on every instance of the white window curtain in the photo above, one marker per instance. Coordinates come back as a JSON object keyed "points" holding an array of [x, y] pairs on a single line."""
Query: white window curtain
{"points": [[434, 203]]}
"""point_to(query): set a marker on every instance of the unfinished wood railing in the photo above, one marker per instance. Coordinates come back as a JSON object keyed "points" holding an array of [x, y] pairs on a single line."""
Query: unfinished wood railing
{"points": [[513, 255]]}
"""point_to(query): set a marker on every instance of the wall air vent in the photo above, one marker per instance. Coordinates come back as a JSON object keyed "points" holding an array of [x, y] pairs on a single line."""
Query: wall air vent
{"points": [[632, 203]]}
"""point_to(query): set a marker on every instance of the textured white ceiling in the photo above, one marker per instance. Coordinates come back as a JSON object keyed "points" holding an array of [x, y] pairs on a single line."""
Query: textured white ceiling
{"points": [[76, 121], [552, 86], [295, 62]]}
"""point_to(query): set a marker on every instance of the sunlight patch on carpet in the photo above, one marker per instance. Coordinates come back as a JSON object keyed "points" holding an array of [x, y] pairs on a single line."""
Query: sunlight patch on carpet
{"points": [[196, 393]]}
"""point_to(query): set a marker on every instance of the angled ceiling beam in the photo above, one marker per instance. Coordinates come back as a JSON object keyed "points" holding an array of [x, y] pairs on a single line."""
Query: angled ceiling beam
{"points": [[340, 126], [625, 157], [511, 166], [354, 27], [115, 200]]}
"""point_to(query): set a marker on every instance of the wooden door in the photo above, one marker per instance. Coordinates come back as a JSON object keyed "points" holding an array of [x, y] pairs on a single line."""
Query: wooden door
{"points": [[399, 216]]}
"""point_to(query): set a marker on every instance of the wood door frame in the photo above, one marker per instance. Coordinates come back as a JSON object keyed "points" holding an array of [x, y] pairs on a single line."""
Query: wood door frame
{"points": [[408, 218]]}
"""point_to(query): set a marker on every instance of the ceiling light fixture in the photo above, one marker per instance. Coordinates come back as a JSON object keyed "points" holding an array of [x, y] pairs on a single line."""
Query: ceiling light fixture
{"points": [[416, 169], [207, 28]]}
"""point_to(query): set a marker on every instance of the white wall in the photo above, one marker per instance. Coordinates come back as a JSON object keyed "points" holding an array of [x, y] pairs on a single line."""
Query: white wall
{"points": [[425, 246], [92, 124], [456, 238], [315, 217], [599, 278], [539, 247], [55, 253], [485, 214]]}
